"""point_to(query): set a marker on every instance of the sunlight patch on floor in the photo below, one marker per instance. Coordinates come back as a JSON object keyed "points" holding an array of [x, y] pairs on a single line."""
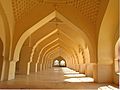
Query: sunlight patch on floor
{"points": [[73, 76], [69, 71], [85, 79], [109, 87]]}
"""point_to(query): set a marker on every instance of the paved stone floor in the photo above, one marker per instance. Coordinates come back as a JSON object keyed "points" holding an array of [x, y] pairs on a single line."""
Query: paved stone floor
{"points": [[55, 78]]}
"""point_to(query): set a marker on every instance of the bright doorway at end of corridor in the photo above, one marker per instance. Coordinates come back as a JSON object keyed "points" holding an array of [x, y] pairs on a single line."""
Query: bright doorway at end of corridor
{"points": [[59, 62]]}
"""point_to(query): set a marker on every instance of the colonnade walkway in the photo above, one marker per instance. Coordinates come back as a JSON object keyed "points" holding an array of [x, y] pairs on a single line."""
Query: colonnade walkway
{"points": [[55, 78]]}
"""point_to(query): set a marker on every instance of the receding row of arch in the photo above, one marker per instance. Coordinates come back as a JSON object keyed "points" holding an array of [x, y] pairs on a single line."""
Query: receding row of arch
{"points": [[38, 55], [47, 36]]}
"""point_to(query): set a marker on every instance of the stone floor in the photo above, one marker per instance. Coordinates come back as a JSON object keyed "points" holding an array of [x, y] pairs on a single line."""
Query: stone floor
{"points": [[55, 78]]}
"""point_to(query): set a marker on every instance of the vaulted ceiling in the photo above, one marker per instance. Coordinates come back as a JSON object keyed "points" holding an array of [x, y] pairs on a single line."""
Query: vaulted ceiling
{"points": [[88, 8], [86, 15]]}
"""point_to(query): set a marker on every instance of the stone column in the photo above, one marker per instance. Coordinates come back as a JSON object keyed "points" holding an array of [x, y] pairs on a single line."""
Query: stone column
{"points": [[24, 59]]}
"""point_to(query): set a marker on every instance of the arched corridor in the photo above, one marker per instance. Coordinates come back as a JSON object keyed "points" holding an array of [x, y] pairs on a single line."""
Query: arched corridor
{"points": [[66, 44]]}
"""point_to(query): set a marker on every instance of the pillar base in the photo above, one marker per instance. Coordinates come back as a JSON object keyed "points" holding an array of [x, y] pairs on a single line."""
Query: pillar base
{"points": [[105, 73], [12, 67]]}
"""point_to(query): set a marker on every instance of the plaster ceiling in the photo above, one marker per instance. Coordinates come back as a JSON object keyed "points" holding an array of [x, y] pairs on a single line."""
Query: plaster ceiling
{"points": [[88, 8]]}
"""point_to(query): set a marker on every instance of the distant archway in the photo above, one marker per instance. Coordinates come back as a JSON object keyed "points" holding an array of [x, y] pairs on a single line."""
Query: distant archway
{"points": [[56, 63], [59, 62], [62, 63]]}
